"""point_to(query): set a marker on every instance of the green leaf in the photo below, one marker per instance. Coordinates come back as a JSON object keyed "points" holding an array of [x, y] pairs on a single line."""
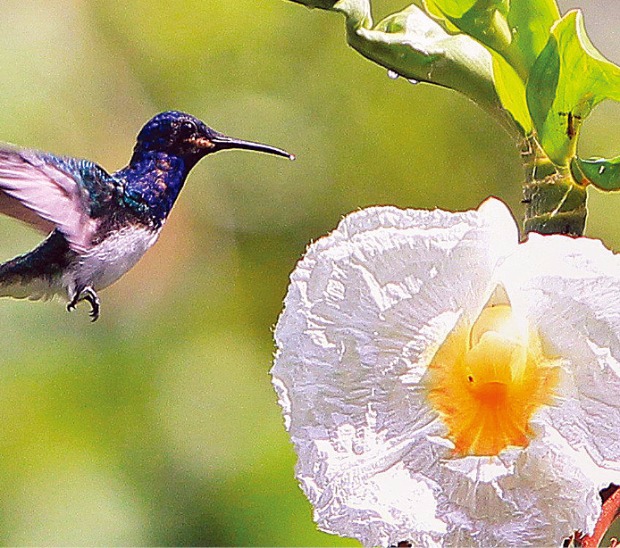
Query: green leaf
{"points": [[321, 4], [417, 47], [570, 77], [604, 174], [530, 22], [484, 20], [451, 9], [514, 31], [518, 29], [426, 46], [511, 91], [542, 86]]}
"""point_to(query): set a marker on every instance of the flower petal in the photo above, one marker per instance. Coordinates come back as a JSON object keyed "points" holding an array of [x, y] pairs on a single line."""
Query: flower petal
{"points": [[531, 497], [572, 295], [366, 310]]}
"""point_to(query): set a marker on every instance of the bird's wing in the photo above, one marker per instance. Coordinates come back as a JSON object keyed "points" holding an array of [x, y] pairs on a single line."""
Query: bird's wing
{"points": [[45, 192]]}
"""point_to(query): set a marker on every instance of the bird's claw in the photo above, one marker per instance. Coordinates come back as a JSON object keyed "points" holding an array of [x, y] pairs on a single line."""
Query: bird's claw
{"points": [[86, 294]]}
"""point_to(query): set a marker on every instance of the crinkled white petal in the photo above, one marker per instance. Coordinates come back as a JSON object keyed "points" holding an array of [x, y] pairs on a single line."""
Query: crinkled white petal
{"points": [[535, 496], [366, 310], [570, 290]]}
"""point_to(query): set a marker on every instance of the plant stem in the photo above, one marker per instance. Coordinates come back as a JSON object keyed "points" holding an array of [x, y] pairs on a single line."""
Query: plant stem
{"points": [[611, 509], [555, 202]]}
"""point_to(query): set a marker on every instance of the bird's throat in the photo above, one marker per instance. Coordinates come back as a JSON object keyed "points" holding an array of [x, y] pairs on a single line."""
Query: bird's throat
{"points": [[153, 183]]}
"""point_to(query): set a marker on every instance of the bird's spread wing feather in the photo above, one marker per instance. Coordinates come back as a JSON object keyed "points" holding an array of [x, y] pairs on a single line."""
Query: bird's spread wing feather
{"points": [[44, 192]]}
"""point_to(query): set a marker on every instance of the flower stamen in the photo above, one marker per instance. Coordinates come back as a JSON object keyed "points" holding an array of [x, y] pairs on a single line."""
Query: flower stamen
{"points": [[487, 380]]}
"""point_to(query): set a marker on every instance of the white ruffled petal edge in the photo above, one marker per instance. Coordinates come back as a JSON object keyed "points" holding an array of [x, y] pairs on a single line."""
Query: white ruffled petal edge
{"points": [[365, 312], [572, 296]]}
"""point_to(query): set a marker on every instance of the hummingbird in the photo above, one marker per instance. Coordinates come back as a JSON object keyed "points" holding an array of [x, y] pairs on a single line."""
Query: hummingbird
{"points": [[98, 224]]}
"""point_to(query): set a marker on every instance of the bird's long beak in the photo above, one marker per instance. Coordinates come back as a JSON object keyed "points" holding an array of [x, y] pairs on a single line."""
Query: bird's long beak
{"points": [[222, 142]]}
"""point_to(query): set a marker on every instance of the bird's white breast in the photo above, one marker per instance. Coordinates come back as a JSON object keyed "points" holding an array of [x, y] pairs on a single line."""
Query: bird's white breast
{"points": [[109, 260]]}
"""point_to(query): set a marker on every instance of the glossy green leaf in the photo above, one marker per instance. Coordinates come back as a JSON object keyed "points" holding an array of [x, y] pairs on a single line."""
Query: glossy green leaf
{"points": [[485, 20], [419, 45], [451, 9], [517, 29], [321, 4], [429, 7], [569, 78], [511, 91], [604, 174], [414, 45], [530, 22], [515, 32], [542, 86]]}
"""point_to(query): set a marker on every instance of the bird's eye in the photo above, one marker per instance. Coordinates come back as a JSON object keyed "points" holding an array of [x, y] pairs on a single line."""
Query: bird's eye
{"points": [[187, 128]]}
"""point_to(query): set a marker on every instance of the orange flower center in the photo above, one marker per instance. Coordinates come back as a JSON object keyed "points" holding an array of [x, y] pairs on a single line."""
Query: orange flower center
{"points": [[487, 380]]}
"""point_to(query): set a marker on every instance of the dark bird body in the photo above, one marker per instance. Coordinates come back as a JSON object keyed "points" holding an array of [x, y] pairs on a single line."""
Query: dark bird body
{"points": [[99, 224]]}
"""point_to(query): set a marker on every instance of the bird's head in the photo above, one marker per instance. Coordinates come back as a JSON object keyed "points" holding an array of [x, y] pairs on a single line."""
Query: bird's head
{"points": [[180, 134]]}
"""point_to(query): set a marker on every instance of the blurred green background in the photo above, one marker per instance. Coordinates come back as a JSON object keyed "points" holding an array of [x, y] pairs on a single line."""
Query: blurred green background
{"points": [[158, 424]]}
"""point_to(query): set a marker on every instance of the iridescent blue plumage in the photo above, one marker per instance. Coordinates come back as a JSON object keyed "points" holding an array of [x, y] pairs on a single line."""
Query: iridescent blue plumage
{"points": [[99, 224], [153, 184]]}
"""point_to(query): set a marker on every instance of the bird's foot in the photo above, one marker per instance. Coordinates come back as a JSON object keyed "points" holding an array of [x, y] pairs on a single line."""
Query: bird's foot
{"points": [[86, 294]]}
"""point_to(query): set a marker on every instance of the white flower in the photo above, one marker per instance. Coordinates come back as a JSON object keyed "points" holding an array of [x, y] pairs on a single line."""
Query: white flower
{"points": [[444, 384]]}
